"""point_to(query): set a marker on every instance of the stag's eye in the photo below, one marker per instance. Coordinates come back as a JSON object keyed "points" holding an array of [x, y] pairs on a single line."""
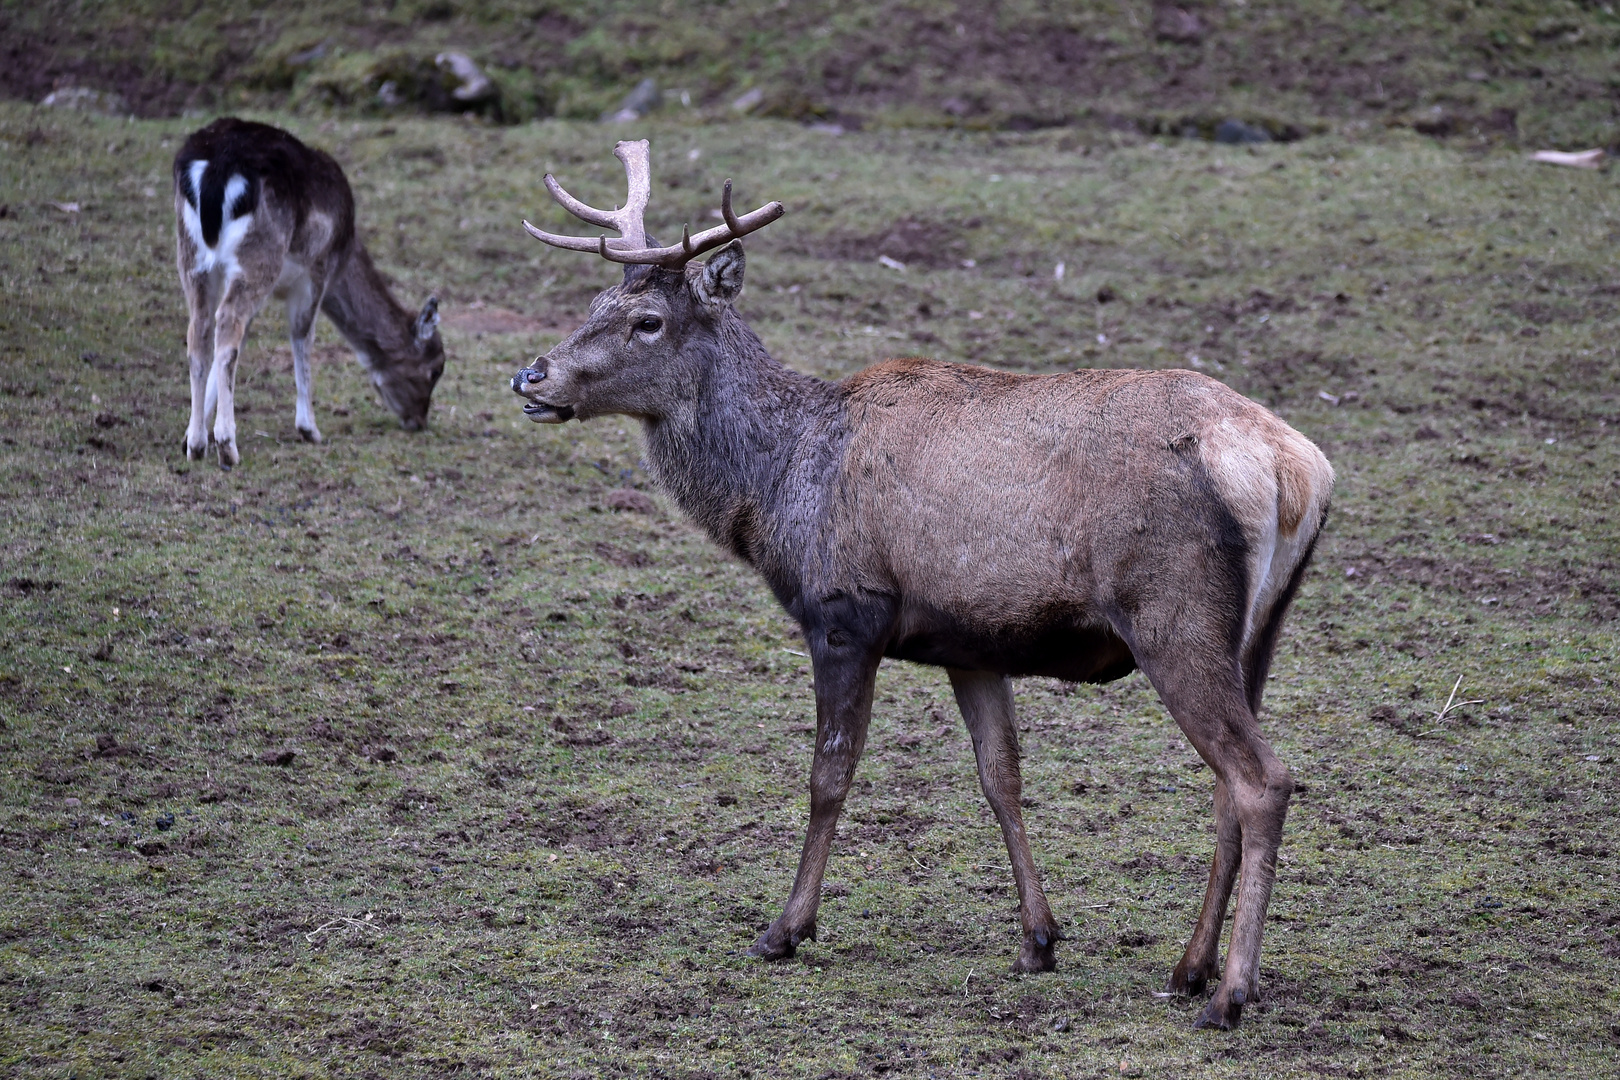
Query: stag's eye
{"points": [[649, 324]]}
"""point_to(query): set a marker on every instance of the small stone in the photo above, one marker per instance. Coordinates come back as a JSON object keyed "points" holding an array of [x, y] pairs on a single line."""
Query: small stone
{"points": [[70, 802], [475, 85], [1236, 131], [83, 99], [645, 98]]}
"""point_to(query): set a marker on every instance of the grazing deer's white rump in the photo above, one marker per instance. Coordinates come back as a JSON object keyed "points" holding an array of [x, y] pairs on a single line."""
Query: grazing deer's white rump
{"points": [[259, 215]]}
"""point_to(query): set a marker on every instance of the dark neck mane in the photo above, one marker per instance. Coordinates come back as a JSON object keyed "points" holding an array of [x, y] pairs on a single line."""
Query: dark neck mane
{"points": [[366, 314], [757, 443]]}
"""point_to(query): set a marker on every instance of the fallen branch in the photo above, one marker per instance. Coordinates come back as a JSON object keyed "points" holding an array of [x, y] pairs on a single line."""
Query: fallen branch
{"points": [[1579, 159], [342, 921], [1452, 704]]}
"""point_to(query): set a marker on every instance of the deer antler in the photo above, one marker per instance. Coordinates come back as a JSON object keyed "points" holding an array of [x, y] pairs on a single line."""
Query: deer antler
{"points": [[630, 246]]}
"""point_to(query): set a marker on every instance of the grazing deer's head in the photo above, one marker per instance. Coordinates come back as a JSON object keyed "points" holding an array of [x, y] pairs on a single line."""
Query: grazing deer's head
{"points": [[406, 383], [642, 350]]}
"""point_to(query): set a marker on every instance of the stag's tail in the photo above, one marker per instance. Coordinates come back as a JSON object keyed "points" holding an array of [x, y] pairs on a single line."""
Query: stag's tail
{"points": [[1278, 486]]}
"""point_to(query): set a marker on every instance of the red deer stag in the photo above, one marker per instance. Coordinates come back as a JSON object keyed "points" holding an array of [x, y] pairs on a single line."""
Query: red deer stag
{"points": [[258, 215], [1076, 526]]}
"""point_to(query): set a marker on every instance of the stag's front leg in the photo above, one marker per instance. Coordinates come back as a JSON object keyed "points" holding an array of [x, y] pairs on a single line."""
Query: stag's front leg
{"points": [[844, 679], [986, 702]]}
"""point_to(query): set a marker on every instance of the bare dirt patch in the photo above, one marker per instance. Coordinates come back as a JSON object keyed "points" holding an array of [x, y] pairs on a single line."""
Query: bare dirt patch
{"points": [[481, 318]]}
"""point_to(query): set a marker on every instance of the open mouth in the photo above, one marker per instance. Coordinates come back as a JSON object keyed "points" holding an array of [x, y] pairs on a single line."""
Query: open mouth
{"points": [[542, 413]]}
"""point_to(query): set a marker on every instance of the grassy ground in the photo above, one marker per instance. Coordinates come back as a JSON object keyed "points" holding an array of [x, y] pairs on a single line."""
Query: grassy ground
{"points": [[406, 756]]}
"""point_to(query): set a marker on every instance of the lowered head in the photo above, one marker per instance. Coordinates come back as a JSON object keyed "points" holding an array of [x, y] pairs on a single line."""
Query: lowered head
{"points": [[412, 369]]}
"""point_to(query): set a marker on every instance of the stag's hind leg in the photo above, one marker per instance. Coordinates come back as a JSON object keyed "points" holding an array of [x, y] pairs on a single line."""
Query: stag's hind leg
{"points": [[986, 702], [1206, 696], [1200, 965]]}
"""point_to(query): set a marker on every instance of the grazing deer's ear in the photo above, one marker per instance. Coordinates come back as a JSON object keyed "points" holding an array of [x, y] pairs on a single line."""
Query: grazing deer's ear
{"points": [[428, 320], [722, 278]]}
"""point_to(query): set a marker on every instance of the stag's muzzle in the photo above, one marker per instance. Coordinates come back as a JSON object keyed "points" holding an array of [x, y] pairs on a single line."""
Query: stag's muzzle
{"points": [[530, 383]]}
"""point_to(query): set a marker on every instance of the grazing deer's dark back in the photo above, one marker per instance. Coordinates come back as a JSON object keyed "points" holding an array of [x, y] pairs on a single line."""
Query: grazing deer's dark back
{"points": [[259, 215], [1079, 526]]}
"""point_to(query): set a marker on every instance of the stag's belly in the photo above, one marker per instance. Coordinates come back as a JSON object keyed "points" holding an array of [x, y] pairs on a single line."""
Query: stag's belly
{"points": [[1062, 649]]}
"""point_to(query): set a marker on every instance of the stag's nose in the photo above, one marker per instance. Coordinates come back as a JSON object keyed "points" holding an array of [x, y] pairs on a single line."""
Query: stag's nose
{"points": [[523, 380]]}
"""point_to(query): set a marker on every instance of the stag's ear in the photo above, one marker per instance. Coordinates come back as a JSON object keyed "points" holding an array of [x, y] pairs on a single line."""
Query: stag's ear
{"points": [[722, 277], [428, 321]]}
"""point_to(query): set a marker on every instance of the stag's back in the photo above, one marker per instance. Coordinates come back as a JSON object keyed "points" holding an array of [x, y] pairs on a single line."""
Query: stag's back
{"points": [[1008, 500]]}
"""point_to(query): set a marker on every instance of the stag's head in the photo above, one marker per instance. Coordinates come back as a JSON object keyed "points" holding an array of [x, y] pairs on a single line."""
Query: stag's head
{"points": [[642, 349]]}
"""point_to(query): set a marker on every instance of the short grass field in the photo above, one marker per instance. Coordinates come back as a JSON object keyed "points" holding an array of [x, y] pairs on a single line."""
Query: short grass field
{"points": [[409, 755]]}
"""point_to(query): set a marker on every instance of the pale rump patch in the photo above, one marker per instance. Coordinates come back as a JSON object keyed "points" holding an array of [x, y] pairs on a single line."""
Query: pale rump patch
{"points": [[221, 256], [1272, 479]]}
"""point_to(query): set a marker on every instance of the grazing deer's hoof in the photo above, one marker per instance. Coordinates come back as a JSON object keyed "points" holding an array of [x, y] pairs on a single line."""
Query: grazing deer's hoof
{"points": [[310, 434], [1224, 1011], [228, 457], [779, 943], [195, 451], [1038, 953], [1191, 980]]}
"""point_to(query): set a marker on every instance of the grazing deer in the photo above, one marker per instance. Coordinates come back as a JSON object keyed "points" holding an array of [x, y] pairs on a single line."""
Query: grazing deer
{"points": [[259, 214], [1076, 526]]}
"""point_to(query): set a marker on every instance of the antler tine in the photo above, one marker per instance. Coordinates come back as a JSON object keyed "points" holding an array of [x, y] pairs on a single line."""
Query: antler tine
{"points": [[630, 245], [628, 219], [605, 218], [570, 243], [638, 175], [690, 247], [726, 212]]}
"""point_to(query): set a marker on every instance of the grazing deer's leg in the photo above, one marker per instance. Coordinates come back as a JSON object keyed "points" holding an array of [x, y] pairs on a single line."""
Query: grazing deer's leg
{"points": [[844, 682], [303, 302], [1208, 701], [1200, 965], [986, 702], [211, 396], [231, 321], [200, 356]]}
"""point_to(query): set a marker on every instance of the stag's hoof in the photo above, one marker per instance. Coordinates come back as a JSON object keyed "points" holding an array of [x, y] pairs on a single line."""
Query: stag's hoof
{"points": [[1224, 1011], [1038, 953], [1191, 980], [228, 457], [310, 434], [779, 943]]}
